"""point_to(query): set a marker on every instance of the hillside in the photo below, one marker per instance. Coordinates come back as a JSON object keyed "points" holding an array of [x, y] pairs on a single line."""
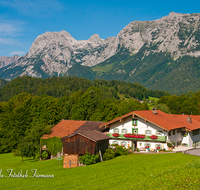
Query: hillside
{"points": [[161, 54], [155, 71], [152, 171], [61, 86], [3, 82]]}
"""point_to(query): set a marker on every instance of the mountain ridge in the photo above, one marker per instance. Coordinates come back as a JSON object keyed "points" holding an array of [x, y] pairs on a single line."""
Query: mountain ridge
{"points": [[57, 53]]}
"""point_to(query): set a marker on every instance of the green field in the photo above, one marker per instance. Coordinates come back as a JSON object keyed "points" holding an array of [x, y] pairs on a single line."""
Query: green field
{"points": [[136, 171]]}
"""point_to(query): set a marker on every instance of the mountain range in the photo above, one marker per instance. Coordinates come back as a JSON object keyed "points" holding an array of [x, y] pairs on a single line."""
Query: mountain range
{"points": [[163, 54]]}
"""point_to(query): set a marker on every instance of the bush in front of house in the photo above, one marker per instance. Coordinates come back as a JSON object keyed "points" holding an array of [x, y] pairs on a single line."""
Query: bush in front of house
{"points": [[120, 150], [171, 144], [114, 151], [109, 154], [89, 159]]}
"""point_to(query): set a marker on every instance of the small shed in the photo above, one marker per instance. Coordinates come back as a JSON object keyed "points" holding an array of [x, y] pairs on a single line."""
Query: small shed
{"points": [[82, 141]]}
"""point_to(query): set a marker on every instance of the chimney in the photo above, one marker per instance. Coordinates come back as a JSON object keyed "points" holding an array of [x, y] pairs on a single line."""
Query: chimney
{"points": [[154, 111], [189, 119]]}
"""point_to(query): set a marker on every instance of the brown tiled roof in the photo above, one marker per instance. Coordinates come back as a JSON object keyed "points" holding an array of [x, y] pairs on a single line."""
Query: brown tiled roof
{"points": [[64, 128], [161, 119], [92, 135], [90, 126], [195, 124], [67, 127]]}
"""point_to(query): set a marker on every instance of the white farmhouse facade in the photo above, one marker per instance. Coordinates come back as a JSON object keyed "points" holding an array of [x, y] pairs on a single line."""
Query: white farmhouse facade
{"points": [[153, 129]]}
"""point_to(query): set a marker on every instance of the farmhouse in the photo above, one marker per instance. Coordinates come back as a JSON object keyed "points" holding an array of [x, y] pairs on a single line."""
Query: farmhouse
{"points": [[153, 129]]}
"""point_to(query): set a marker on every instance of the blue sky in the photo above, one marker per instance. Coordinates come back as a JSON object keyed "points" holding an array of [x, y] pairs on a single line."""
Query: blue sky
{"points": [[21, 21]]}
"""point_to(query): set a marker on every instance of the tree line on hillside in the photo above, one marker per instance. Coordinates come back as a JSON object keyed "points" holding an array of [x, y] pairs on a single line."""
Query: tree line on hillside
{"points": [[58, 87], [25, 118], [3, 82], [184, 104]]}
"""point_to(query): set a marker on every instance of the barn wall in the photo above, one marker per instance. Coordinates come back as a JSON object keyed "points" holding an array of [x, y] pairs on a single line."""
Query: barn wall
{"points": [[78, 145], [102, 145]]}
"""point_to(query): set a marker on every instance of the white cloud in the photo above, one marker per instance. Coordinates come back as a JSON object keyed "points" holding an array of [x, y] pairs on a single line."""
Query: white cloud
{"points": [[7, 41], [7, 29], [17, 53], [33, 8]]}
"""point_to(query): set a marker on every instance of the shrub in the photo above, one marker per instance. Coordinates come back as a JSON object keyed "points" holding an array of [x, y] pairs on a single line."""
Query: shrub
{"points": [[120, 150], [170, 144], [109, 154], [44, 155], [89, 159]]}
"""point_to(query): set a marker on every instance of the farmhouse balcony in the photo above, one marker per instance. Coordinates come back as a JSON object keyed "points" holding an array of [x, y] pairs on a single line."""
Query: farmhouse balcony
{"points": [[147, 138]]}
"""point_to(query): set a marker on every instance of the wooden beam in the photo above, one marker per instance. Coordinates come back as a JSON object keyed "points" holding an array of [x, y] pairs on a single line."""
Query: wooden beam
{"points": [[108, 126], [121, 120], [133, 116]]}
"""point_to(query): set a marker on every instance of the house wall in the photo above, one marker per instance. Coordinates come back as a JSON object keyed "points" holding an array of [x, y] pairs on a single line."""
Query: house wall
{"points": [[189, 140], [176, 137], [141, 128], [194, 140]]}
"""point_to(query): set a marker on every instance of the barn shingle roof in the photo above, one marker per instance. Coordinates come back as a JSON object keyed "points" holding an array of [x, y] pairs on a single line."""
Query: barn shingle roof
{"points": [[92, 135]]}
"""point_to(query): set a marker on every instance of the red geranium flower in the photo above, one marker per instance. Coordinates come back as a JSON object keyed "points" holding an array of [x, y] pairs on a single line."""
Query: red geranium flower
{"points": [[115, 134]]}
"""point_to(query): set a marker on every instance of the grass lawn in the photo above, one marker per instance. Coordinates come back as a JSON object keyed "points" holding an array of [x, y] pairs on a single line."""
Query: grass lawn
{"points": [[136, 171]]}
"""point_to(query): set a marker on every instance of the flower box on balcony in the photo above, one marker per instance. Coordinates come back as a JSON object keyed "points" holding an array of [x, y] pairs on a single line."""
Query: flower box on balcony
{"points": [[127, 135], [132, 135], [141, 136], [115, 134], [153, 137]]}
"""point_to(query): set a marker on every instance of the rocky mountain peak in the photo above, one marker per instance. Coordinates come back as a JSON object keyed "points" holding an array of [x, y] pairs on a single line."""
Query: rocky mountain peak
{"points": [[4, 61], [95, 38]]}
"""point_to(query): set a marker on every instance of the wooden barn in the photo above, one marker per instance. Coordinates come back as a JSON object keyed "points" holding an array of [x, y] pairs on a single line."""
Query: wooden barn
{"points": [[66, 128], [81, 141]]}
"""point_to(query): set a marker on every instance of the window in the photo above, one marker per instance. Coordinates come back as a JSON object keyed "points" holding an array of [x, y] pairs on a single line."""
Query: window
{"points": [[124, 131], [115, 142], [148, 132], [135, 130], [195, 132], [147, 144], [134, 122], [173, 132], [159, 133], [158, 145], [116, 130], [169, 133], [123, 143]]}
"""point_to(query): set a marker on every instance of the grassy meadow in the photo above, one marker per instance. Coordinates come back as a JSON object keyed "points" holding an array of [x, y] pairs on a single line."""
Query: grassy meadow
{"points": [[136, 171]]}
